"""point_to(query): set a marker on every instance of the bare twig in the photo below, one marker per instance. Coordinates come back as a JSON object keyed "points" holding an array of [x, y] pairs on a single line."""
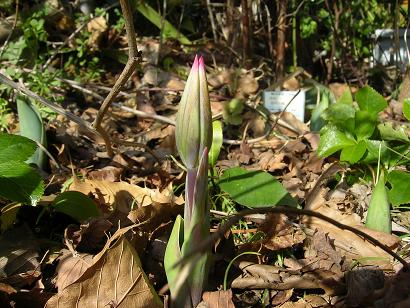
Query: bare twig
{"points": [[212, 20], [23, 90], [139, 113], [133, 59]]}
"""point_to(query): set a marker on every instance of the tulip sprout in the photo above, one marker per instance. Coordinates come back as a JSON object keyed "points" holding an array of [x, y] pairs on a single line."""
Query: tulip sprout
{"points": [[193, 135]]}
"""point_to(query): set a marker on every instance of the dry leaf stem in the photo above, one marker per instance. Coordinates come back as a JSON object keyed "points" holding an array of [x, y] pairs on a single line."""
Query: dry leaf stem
{"points": [[133, 59]]}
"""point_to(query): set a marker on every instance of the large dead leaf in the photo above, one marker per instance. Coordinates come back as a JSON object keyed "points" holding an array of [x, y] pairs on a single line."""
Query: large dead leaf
{"points": [[121, 195], [115, 279]]}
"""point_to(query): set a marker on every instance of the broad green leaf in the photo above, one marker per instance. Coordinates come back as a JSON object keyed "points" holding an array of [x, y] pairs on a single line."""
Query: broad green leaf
{"points": [[365, 123], [15, 148], [31, 126], [19, 182], [342, 116], [406, 108], [378, 214], [387, 132], [254, 188], [232, 112], [172, 256], [400, 192], [168, 31], [353, 153], [346, 98], [76, 205], [333, 140], [217, 139], [369, 99], [372, 154], [316, 120]]}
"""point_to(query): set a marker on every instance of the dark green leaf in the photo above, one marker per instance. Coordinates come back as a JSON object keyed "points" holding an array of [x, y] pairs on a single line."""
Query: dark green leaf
{"points": [[342, 116], [19, 182], [400, 192], [76, 205], [254, 188], [353, 153], [365, 124], [369, 99], [406, 108], [15, 148], [333, 140], [217, 139], [372, 154], [31, 126]]}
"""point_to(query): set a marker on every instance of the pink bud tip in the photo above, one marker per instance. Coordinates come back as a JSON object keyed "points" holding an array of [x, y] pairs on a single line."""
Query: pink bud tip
{"points": [[201, 64], [195, 65]]}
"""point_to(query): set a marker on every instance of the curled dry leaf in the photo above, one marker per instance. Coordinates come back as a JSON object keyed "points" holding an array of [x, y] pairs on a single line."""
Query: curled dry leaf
{"points": [[115, 278], [271, 162], [280, 233], [88, 235], [261, 276], [247, 85]]}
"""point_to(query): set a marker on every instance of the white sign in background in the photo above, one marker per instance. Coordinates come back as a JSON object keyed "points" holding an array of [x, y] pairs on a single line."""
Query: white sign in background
{"points": [[276, 101]]}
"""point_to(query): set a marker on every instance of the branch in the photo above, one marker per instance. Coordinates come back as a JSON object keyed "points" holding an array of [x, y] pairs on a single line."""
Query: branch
{"points": [[133, 59], [204, 246]]}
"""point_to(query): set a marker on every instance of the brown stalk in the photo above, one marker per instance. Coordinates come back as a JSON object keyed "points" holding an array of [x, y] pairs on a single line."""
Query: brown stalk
{"points": [[134, 58]]}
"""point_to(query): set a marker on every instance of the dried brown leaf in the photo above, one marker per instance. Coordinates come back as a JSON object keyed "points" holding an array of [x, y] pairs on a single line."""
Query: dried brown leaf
{"points": [[218, 299], [19, 257], [88, 235], [121, 195], [114, 279], [281, 297], [280, 233], [351, 245], [361, 284], [271, 162], [247, 85], [70, 268]]}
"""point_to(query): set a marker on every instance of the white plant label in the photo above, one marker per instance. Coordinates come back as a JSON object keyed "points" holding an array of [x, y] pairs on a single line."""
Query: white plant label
{"points": [[276, 101]]}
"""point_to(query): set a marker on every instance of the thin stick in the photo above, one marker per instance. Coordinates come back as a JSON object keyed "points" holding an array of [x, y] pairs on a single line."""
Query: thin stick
{"points": [[139, 113], [133, 59], [23, 90], [212, 20], [206, 244]]}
